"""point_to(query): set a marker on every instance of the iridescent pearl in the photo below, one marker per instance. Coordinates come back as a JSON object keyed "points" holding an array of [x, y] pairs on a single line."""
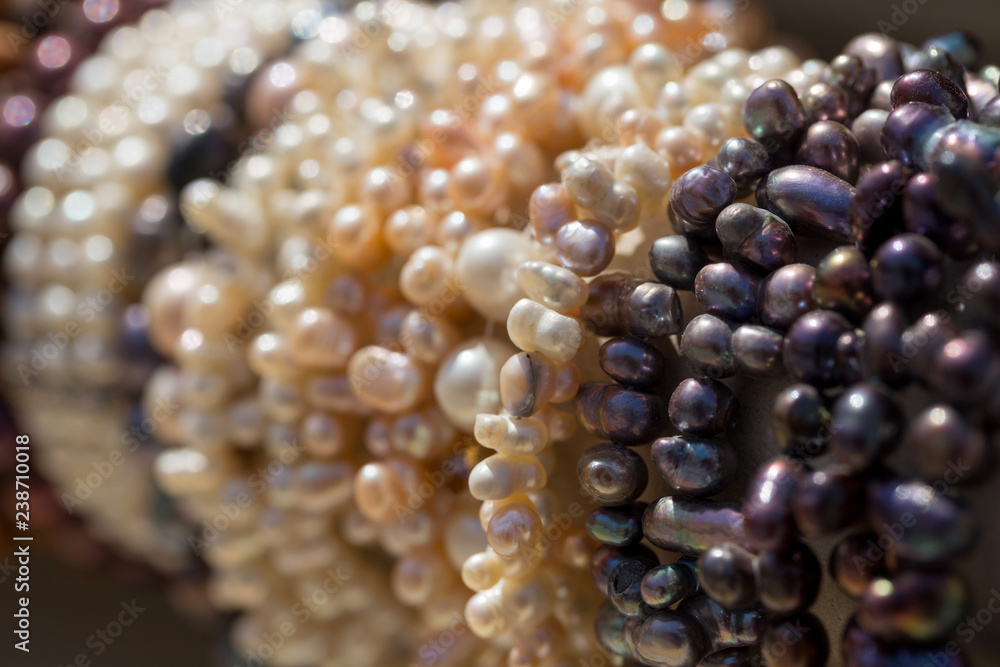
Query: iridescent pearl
{"points": [[553, 286], [930, 87], [625, 588], [514, 528], [467, 382], [877, 208], [755, 236], [427, 279], [612, 474], [919, 605], [585, 247], [727, 573], [724, 628], [826, 102], [691, 526], [695, 466], [843, 283], [830, 146], [854, 550], [811, 200], [486, 270], [666, 585], [786, 295], [879, 52], [827, 501], [906, 267], [774, 116], [617, 526], [940, 440], [767, 511], [702, 406], [649, 309], [727, 290], [744, 160], [700, 195], [788, 582], [618, 414], [548, 210], [707, 347], [632, 362], [810, 350], [867, 129], [670, 639], [883, 329]]}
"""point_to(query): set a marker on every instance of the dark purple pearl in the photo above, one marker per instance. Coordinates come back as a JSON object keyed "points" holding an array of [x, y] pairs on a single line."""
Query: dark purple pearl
{"points": [[980, 286], [700, 194], [826, 101], [621, 415], [850, 356], [827, 501], [880, 96], [786, 295], [965, 369], [632, 362], [669, 639], [864, 650], [757, 351], [707, 347], [940, 443], [860, 558], [965, 161], [924, 215], [811, 200], [676, 260], [760, 195], [666, 585], [879, 52], [617, 526], [963, 45], [774, 116], [788, 581], [939, 60], [601, 313], [695, 466], [830, 146], [843, 283], [702, 406], [609, 627], [800, 420], [908, 130], [624, 588], [755, 236], [744, 160], [924, 339], [585, 247], [692, 525], [724, 628], [867, 423], [877, 208], [990, 114], [883, 328], [606, 558], [727, 574], [854, 76], [767, 508], [811, 347], [930, 87], [650, 310], [799, 641], [867, 129], [612, 474], [738, 656], [919, 605], [926, 526], [727, 290], [906, 268]]}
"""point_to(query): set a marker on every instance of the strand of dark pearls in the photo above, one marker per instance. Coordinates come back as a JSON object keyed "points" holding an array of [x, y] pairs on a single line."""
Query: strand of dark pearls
{"points": [[95, 220], [370, 356], [908, 187]]}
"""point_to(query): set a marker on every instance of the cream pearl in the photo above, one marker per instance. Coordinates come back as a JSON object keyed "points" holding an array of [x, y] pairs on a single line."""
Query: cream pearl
{"points": [[502, 475], [468, 381], [535, 328], [511, 436], [486, 270], [386, 381]]}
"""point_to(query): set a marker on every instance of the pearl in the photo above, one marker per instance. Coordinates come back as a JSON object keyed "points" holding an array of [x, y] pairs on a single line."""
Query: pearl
{"points": [[535, 328], [552, 286], [467, 382], [486, 270], [691, 526], [385, 380], [612, 474], [811, 200]]}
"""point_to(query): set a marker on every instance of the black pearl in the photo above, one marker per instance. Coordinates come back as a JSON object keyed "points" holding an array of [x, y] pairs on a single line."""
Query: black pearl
{"points": [[757, 351], [786, 295], [811, 200], [909, 129], [727, 290], [940, 443], [922, 341], [738, 656], [650, 310], [600, 314], [800, 421], [612, 474], [774, 116], [862, 649], [666, 585], [700, 194], [788, 581], [606, 558], [669, 639], [867, 423], [755, 236], [860, 558], [918, 605], [702, 406], [980, 285], [695, 466], [624, 585], [930, 87], [827, 501], [617, 526], [744, 160], [767, 510], [826, 102], [810, 351], [880, 98], [723, 627], [621, 415], [850, 356], [965, 369], [707, 347], [632, 362], [726, 573], [939, 527], [830, 146], [844, 283], [692, 525], [799, 641], [854, 76], [906, 267], [963, 45], [923, 214], [939, 60], [964, 159], [883, 329], [676, 260], [881, 53], [877, 208], [867, 129], [609, 627]]}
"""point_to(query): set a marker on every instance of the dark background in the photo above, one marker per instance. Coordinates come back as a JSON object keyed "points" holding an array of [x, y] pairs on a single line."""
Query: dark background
{"points": [[68, 606]]}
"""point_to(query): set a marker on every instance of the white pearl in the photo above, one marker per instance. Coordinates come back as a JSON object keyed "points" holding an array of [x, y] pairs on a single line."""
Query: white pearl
{"points": [[486, 270], [468, 381]]}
